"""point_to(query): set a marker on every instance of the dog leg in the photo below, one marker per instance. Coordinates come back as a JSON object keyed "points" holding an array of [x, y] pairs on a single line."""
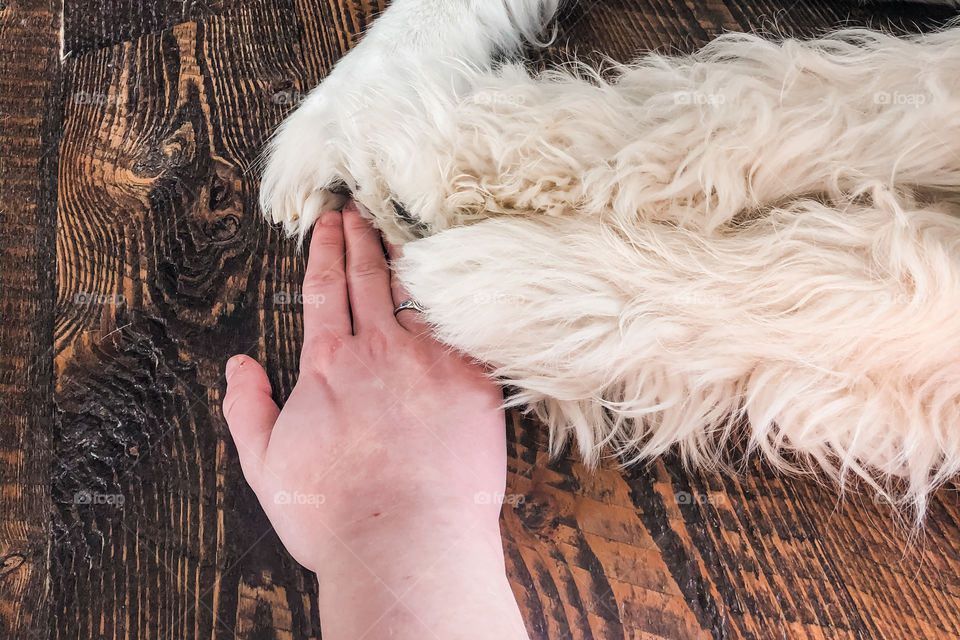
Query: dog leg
{"points": [[829, 331], [646, 285], [696, 141], [380, 100]]}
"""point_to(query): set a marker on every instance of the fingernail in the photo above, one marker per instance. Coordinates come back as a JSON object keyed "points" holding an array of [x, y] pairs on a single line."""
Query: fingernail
{"points": [[331, 218], [350, 207], [233, 364]]}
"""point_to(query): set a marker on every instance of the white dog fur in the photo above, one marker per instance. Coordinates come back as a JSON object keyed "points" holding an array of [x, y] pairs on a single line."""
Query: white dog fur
{"points": [[759, 241]]}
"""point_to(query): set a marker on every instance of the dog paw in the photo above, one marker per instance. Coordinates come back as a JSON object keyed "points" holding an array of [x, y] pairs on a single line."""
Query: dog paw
{"points": [[351, 132], [365, 126], [305, 173], [334, 142]]}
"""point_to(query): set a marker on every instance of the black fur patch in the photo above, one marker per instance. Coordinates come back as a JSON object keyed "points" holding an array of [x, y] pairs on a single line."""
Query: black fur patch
{"points": [[418, 228]]}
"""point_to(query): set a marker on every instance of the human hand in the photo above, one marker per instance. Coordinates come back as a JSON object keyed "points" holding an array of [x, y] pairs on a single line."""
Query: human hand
{"points": [[384, 468]]}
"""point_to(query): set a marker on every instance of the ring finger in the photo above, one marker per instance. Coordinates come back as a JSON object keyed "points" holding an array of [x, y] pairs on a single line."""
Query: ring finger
{"points": [[410, 319]]}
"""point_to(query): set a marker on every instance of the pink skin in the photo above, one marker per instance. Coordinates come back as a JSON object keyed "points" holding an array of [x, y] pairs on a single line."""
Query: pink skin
{"points": [[384, 469]]}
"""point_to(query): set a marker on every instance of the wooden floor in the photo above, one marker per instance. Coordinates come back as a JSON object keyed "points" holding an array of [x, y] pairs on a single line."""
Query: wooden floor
{"points": [[134, 262]]}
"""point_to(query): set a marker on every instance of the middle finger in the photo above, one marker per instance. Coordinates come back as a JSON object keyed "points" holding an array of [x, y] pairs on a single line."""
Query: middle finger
{"points": [[368, 279]]}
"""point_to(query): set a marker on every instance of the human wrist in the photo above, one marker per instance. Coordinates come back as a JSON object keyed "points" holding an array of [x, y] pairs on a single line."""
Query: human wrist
{"points": [[396, 534], [447, 584]]}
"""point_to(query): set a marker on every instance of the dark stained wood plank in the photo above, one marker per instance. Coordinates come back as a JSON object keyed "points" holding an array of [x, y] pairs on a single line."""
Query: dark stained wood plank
{"points": [[692, 555], [623, 29], [29, 118], [164, 269], [96, 24]]}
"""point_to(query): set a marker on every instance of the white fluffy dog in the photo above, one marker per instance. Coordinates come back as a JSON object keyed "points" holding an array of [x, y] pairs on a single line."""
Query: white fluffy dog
{"points": [[757, 242]]}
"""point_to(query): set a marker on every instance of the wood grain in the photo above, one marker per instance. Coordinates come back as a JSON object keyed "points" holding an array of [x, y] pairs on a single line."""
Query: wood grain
{"points": [[165, 269], [124, 511], [29, 121]]}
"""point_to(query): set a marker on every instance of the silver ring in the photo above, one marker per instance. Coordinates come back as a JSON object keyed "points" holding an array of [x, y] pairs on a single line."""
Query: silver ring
{"points": [[408, 304]]}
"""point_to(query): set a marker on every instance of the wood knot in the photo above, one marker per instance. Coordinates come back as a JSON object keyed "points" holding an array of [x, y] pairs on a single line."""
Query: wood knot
{"points": [[538, 513], [221, 215], [179, 149], [10, 563], [224, 229]]}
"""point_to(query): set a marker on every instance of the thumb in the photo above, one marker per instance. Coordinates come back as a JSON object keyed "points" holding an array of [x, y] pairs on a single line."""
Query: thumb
{"points": [[250, 412]]}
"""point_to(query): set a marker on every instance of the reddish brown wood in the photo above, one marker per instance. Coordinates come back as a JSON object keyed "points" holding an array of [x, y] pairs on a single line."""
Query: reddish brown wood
{"points": [[152, 119]]}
